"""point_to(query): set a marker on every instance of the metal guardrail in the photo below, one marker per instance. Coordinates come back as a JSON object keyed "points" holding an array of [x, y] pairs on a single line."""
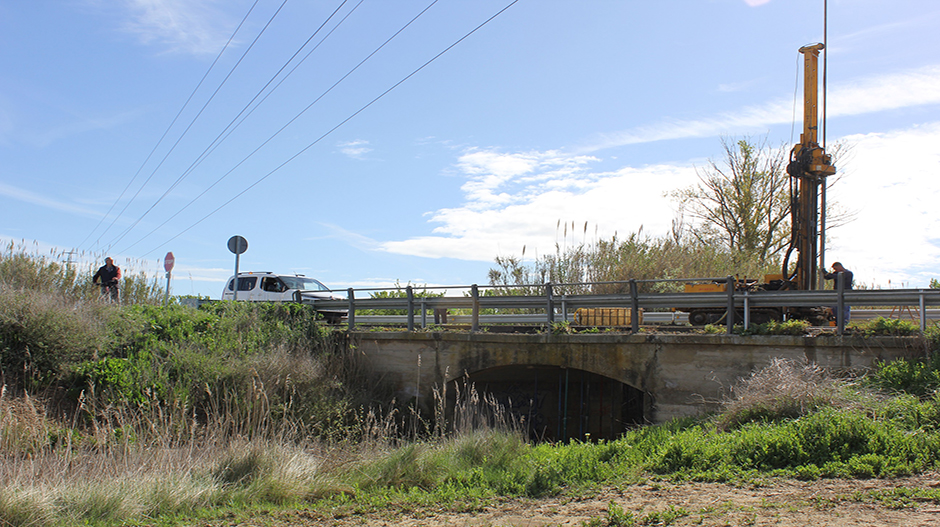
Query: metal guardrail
{"points": [[545, 307], [649, 317]]}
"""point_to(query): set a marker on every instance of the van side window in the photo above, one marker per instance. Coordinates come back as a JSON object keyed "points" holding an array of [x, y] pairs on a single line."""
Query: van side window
{"points": [[247, 283], [272, 284]]}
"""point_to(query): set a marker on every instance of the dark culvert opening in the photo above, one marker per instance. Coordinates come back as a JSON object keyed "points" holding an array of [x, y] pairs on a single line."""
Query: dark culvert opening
{"points": [[550, 403]]}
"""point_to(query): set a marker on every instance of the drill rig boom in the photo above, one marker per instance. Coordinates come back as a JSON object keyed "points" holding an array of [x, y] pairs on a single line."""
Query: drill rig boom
{"points": [[808, 168]]}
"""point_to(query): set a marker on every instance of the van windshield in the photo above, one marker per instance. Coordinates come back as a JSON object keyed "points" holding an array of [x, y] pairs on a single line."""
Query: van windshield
{"points": [[303, 283]]}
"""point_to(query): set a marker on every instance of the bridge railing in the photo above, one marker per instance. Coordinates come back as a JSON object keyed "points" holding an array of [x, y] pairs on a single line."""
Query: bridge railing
{"points": [[541, 305]]}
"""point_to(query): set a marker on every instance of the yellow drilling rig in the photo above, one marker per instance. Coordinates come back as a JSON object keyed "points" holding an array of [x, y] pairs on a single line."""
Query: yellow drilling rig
{"points": [[808, 169]]}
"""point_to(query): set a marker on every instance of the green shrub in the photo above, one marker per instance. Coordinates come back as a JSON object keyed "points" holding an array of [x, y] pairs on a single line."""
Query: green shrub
{"points": [[41, 334], [793, 327], [887, 327], [829, 443], [919, 377], [400, 291], [932, 335]]}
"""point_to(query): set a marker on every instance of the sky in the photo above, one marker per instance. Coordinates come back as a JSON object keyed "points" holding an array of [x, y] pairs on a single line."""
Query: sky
{"points": [[371, 142]]}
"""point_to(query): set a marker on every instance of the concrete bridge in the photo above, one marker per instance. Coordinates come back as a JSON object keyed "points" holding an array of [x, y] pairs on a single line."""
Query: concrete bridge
{"points": [[569, 386]]}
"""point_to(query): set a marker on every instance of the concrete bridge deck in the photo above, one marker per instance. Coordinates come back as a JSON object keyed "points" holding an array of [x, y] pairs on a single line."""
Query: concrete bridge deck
{"points": [[567, 386]]}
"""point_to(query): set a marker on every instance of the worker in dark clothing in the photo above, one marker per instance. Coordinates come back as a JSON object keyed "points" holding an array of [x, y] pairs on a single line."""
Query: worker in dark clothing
{"points": [[107, 277], [837, 269]]}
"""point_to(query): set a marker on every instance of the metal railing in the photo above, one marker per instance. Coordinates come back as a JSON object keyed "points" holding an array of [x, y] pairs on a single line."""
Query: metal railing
{"points": [[544, 306]]}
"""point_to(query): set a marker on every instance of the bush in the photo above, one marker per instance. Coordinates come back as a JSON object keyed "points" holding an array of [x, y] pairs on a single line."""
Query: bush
{"points": [[790, 327], [783, 390], [828, 443], [920, 377], [887, 327], [41, 334]]}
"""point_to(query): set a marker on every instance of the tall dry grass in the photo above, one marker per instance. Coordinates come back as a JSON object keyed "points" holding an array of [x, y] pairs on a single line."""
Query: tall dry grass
{"points": [[611, 262], [788, 389], [24, 267], [124, 465]]}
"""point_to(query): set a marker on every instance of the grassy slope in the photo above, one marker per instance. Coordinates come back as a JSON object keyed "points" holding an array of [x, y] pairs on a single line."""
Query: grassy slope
{"points": [[113, 414]]}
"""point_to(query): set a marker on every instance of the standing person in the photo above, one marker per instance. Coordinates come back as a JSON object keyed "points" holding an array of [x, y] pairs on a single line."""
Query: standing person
{"points": [[108, 276], [838, 268]]}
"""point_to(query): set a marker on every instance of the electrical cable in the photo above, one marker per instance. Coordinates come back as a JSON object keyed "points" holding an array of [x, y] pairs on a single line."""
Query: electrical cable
{"points": [[193, 122], [822, 192], [230, 128], [168, 128], [302, 112], [796, 94], [343, 122]]}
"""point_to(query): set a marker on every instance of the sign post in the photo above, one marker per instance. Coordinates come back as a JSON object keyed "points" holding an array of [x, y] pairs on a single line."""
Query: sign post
{"points": [[237, 245], [168, 262]]}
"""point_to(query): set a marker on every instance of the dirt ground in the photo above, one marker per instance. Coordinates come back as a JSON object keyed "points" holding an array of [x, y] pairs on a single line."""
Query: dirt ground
{"points": [[787, 503]]}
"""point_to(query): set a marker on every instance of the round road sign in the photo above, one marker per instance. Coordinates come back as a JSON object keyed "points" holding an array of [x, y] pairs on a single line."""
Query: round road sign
{"points": [[169, 261], [237, 244]]}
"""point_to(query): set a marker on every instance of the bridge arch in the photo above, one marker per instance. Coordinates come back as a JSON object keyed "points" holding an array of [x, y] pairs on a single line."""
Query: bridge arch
{"points": [[553, 403]]}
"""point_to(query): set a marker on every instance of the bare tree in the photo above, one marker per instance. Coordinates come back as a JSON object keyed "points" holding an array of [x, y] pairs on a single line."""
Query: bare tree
{"points": [[743, 203]]}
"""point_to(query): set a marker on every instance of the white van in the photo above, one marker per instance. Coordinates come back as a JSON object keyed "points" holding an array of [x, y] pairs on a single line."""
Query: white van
{"points": [[270, 287]]}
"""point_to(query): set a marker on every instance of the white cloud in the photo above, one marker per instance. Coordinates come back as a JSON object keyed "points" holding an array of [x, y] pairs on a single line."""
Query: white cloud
{"points": [[355, 149], [888, 92], [755, 3], [498, 179], [516, 200], [183, 26], [891, 181], [732, 87], [30, 197]]}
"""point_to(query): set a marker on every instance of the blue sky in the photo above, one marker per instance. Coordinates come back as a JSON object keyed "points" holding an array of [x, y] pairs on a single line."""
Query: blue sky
{"points": [[553, 112]]}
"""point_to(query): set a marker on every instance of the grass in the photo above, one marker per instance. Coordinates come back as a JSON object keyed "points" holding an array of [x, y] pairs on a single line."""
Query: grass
{"points": [[139, 414], [127, 468]]}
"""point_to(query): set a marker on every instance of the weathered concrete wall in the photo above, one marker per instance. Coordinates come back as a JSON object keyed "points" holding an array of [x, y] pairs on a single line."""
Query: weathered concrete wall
{"points": [[681, 375]]}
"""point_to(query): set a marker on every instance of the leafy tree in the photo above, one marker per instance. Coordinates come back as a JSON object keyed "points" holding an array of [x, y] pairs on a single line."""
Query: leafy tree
{"points": [[934, 283], [742, 203]]}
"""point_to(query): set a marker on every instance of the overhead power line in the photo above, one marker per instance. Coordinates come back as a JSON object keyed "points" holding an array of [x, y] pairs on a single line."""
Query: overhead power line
{"points": [[291, 121], [232, 125], [168, 128], [337, 126], [192, 122], [230, 129]]}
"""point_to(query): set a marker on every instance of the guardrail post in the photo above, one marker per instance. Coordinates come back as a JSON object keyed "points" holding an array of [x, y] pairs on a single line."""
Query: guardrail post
{"points": [[409, 292], [923, 313], [730, 313], [351, 314], [747, 310], [549, 305], [424, 313], [564, 308], [840, 303], [475, 311], [634, 307]]}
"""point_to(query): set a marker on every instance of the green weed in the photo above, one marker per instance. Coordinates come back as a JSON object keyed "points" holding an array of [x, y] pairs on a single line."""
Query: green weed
{"points": [[919, 377], [887, 327], [790, 327]]}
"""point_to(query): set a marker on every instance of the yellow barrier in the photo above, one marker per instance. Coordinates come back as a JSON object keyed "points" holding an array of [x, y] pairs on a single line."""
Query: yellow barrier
{"points": [[604, 316]]}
